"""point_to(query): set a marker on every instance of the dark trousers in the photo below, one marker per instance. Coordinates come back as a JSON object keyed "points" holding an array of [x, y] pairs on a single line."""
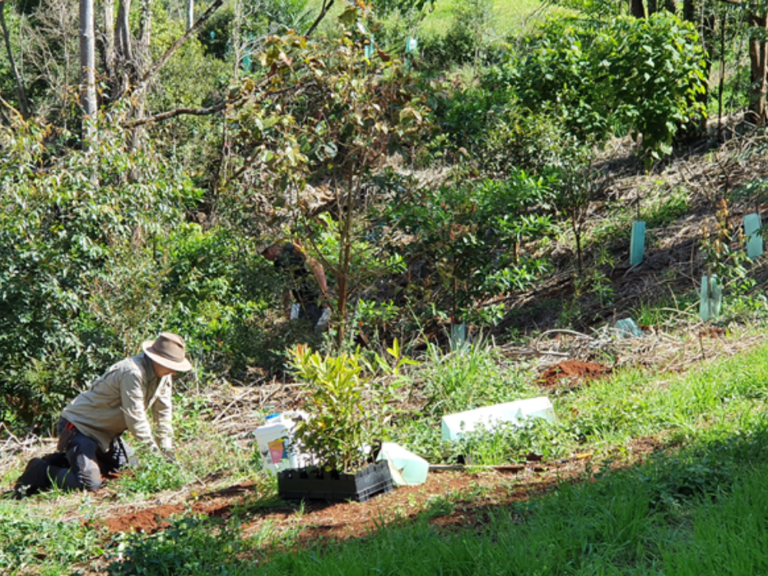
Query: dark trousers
{"points": [[84, 462]]}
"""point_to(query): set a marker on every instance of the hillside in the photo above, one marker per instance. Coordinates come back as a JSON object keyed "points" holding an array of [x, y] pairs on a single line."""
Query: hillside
{"points": [[318, 224]]}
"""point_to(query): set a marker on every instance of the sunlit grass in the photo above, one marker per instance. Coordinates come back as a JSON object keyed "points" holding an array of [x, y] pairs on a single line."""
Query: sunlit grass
{"points": [[652, 518], [508, 15]]}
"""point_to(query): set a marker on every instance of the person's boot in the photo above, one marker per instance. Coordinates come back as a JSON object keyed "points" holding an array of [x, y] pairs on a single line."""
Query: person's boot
{"points": [[33, 479]]}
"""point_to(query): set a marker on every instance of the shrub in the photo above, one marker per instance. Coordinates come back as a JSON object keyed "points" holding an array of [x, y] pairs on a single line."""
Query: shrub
{"points": [[64, 225], [349, 411], [470, 235], [640, 76]]}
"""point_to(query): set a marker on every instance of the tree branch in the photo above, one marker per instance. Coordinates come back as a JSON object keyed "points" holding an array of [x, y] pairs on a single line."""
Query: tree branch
{"points": [[323, 11], [178, 112], [175, 46], [211, 109], [21, 93]]}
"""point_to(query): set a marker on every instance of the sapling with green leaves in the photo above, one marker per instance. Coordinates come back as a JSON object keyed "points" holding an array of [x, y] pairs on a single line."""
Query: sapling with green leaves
{"points": [[329, 117], [349, 409]]}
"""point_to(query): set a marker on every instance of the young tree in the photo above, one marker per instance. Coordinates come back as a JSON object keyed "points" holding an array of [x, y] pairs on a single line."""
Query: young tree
{"points": [[328, 116]]}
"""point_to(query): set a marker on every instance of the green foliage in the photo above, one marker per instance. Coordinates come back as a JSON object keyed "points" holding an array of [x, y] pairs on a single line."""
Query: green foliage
{"points": [[189, 546], [189, 79], [631, 75], [30, 540], [350, 412], [506, 443], [219, 286], [152, 474], [368, 261], [472, 235], [64, 224], [465, 40], [468, 377]]}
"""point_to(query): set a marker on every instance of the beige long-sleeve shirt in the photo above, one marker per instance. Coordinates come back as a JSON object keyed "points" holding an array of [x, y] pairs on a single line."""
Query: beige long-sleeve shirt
{"points": [[119, 400]]}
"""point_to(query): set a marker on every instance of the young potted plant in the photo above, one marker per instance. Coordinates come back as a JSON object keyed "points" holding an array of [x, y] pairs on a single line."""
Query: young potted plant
{"points": [[349, 413]]}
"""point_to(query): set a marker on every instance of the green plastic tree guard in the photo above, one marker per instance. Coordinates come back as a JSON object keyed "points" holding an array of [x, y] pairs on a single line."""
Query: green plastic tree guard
{"points": [[459, 336], [411, 46], [369, 48], [637, 243], [627, 328], [711, 298], [754, 236]]}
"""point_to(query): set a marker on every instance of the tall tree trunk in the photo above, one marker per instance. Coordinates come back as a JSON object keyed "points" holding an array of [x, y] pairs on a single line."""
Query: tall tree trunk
{"points": [[107, 40], [190, 13], [21, 93], [143, 63], [145, 35], [123, 50], [87, 62], [757, 59], [636, 8], [689, 10]]}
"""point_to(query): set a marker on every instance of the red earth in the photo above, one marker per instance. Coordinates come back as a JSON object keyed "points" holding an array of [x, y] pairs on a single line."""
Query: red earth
{"points": [[571, 372], [451, 498]]}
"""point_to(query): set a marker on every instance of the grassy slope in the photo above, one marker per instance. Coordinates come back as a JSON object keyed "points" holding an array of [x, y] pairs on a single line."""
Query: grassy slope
{"points": [[507, 15], [683, 509]]}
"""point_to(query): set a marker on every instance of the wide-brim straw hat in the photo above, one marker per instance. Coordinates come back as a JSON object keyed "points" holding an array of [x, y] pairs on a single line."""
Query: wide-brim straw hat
{"points": [[168, 350]]}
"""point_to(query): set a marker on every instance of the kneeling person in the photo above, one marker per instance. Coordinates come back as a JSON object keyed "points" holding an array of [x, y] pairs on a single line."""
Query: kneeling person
{"points": [[90, 428]]}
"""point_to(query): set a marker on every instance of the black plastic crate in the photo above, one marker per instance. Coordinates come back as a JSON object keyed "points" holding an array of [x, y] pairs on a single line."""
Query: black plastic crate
{"points": [[314, 484]]}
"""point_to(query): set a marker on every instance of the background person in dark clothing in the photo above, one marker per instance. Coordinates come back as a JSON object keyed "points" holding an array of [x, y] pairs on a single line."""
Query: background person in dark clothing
{"points": [[308, 286]]}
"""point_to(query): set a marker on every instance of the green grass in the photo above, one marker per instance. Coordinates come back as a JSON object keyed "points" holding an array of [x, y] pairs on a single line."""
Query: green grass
{"points": [[508, 15], [704, 511], [685, 511]]}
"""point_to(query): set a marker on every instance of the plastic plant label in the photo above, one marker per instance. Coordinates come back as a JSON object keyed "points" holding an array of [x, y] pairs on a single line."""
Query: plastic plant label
{"points": [[276, 451], [754, 236], [711, 298], [411, 45], [637, 243]]}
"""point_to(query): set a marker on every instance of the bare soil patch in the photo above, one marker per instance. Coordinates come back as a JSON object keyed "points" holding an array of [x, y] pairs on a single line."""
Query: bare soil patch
{"points": [[571, 373], [450, 499]]}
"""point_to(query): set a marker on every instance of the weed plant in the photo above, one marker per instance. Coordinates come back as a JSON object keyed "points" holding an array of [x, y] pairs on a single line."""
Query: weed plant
{"points": [[470, 376]]}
